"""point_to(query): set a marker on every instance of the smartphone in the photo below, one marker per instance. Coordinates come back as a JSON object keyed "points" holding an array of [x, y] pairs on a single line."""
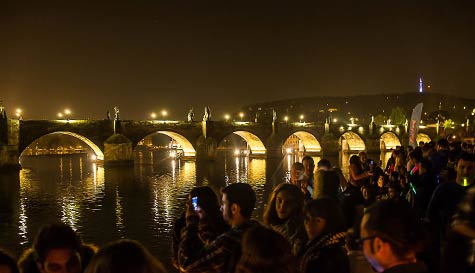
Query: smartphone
{"points": [[194, 202]]}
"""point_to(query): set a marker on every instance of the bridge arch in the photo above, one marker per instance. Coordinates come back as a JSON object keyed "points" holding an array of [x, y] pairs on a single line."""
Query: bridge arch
{"points": [[308, 140], [256, 146], [185, 144], [351, 141], [423, 137], [97, 151], [388, 141]]}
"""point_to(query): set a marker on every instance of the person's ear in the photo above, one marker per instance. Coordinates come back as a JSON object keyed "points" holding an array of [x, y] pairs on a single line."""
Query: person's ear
{"points": [[235, 209], [378, 245]]}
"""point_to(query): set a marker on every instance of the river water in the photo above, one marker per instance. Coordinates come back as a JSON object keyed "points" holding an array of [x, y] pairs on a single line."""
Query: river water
{"points": [[104, 204]]}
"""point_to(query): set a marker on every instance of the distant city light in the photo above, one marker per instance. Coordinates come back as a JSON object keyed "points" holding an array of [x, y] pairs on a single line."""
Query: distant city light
{"points": [[153, 115], [67, 111], [241, 115], [301, 117], [227, 117], [164, 113], [60, 115], [286, 118]]}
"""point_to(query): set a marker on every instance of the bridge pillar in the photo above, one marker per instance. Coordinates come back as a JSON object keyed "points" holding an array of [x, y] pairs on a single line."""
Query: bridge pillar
{"points": [[10, 132], [274, 147], [118, 151], [206, 148], [330, 145]]}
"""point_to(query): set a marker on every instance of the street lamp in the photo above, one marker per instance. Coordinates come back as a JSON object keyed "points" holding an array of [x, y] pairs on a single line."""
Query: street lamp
{"points": [[67, 113], [153, 115], [241, 115], [286, 118], [301, 117], [60, 115], [226, 117], [18, 113], [164, 113]]}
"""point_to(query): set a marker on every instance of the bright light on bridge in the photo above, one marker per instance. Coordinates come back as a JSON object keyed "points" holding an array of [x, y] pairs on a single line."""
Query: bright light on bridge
{"points": [[153, 115], [164, 113], [227, 117]]}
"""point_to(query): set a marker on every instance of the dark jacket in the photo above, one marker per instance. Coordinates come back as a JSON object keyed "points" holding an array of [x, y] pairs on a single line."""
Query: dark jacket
{"points": [[408, 268], [325, 254], [221, 255]]}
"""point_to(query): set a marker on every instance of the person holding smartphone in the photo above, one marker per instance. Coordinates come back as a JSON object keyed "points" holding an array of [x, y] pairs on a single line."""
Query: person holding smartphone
{"points": [[202, 213]]}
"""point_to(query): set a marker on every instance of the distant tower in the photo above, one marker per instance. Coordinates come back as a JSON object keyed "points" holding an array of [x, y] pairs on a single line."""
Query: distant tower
{"points": [[420, 85]]}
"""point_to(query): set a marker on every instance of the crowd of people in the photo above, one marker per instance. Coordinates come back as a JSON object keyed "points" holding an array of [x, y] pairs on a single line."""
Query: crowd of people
{"points": [[415, 215]]}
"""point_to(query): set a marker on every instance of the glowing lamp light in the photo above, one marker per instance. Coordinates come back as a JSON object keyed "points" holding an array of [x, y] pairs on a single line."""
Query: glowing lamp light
{"points": [[286, 118], [164, 113], [60, 115], [288, 150], [67, 111], [236, 152], [241, 115], [153, 115], [93, 157], [335, 120], [227, 117]]}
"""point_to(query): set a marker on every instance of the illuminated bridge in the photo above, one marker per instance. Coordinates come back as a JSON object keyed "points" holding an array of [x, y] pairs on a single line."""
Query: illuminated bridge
{"points": [[202, 139]]}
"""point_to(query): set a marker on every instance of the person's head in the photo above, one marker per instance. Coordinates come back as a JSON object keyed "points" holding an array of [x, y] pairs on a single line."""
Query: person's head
{"points": [[238, 203], [465, 168], [297, 172], [208, 208], [390, 234], [57, 248], [324, 164], [368, 193], [442, 144], [264, 250], [7, 263], [393, 190], [394, 177], [286, 201], [354, 159], [124, 256], [363, 156], [424, 166], [309, 165], [322, 216], [382, 180], [416, 155]]}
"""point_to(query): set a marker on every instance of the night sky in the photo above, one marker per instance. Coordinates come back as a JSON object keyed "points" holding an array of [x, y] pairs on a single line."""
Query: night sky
{"points": [[146, 56]]}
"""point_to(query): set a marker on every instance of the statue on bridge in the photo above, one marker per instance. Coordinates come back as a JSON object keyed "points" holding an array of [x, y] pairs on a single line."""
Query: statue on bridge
{"points": [[191, 115], [117, 114], [3, 114], [207, 115]]}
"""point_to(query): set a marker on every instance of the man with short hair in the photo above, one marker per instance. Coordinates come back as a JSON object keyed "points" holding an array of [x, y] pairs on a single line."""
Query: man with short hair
{"points": [[223, 253], [391, 236], [446, 196]]}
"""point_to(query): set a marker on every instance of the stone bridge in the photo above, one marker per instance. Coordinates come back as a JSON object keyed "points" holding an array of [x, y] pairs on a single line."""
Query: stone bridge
{"points": [[201, 139]]}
